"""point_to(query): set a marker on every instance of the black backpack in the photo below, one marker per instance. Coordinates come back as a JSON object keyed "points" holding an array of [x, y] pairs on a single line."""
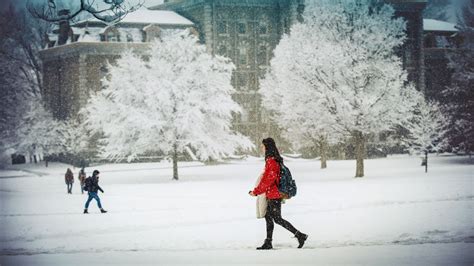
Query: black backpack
{"points": [[87, 184], [287, 186]]}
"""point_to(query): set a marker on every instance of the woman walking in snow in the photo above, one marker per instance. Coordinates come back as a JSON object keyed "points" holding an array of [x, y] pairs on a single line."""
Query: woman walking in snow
{"points": [[69, 178], [269, 185]]}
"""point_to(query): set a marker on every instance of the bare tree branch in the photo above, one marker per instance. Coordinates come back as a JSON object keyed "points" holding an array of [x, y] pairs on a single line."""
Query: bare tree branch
{"points": [[112, 12]]}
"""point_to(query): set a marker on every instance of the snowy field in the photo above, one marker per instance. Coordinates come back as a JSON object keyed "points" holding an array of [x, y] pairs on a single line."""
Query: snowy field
{"points": [[396, 215]]}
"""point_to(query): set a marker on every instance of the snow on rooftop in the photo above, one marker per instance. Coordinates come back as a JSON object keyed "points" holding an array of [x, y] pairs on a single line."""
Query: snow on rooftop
{"points": [[147, 16], [52, 37], [438, 25]]}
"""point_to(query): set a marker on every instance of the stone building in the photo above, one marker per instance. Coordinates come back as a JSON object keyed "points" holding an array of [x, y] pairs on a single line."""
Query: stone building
{"points": [[76, 57], [440, 39], [246, 31]]}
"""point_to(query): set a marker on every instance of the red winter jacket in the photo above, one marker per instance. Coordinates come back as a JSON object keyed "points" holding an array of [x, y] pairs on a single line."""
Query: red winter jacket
{"points": [[270, 180]]}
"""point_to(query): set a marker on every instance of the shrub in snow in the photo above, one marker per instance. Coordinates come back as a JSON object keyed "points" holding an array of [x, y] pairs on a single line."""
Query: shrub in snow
{"points": [[179, 97], [344, 75]]}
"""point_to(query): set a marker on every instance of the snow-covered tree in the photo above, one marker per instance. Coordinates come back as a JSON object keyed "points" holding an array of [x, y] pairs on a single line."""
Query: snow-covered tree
{"points": [[20, 73], [341, 66], [426, 129], [179, 97], [302, 124], [38, 133], [81, 145], [458, 97]]}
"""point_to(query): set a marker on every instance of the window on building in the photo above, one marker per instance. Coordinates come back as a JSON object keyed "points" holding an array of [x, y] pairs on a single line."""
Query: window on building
{"points": [[408, 54], [222, 27], [222, 50], [244, 115], [253, 82], [129, 37], [152, 32], [262, 28], [242, 80], [262, 56], [253, 115], [242, 28], [112, 35], [243, 60], [103, 69]]}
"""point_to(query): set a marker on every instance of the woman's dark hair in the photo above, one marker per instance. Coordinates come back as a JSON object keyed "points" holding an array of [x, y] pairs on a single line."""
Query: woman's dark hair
{"points": [[271, 150]]}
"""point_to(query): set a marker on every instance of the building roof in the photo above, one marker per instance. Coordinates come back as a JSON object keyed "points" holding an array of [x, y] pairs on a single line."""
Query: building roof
{"points": [[147, 16], [438, 25]]}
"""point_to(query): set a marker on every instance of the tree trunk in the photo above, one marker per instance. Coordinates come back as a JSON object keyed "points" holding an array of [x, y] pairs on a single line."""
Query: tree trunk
{"points": [[426, 161], [175, 161], [360, 153], [323, 149]]}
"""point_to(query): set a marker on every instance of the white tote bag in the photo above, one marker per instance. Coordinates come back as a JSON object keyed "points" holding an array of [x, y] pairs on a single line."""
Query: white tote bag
{"points": [[261, 202]]}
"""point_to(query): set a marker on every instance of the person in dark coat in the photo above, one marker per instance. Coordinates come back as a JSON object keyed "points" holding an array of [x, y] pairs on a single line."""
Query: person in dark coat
{"points": [[269, 185], [82, 179], [69, 178], [92, 186]]}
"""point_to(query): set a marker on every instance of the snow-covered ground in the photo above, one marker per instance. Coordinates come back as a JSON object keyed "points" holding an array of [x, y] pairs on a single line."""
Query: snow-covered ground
{"points": [[396, 215]]}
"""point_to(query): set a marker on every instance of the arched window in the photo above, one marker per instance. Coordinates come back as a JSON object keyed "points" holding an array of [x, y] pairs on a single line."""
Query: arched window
{"points": [[243, 55], [129, 37], [112, 34], [151, 32]]}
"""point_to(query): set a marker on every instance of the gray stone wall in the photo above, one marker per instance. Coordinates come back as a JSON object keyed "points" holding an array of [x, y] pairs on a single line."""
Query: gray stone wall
{"points": [[71, 72]]}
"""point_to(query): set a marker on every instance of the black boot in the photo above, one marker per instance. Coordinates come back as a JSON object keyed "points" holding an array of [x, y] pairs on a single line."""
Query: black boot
{"points": [[301, 238], [103, 211], [266, 245], [85, 211]]}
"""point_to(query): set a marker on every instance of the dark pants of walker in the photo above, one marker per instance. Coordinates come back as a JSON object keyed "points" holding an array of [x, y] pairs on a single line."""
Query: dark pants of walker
{"points": [[274, 214], [69, 188], [93, 195]]}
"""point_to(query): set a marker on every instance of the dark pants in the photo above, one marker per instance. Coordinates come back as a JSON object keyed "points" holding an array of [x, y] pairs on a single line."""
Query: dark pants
{"points": [[274, 214], [69, 188], [93, 195]]}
